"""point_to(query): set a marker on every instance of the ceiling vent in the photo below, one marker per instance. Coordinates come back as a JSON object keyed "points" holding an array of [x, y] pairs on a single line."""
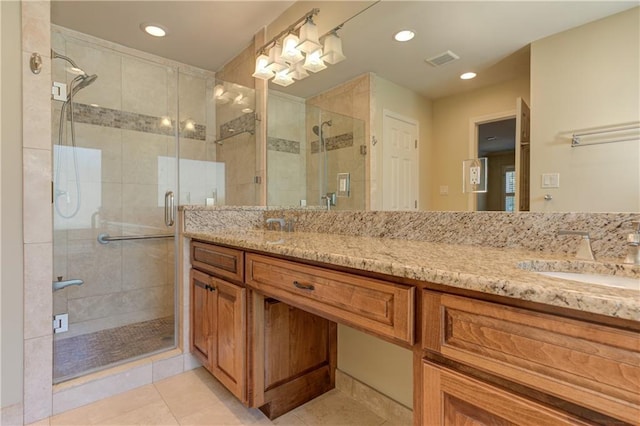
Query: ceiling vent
{"points": [[442, 58]]}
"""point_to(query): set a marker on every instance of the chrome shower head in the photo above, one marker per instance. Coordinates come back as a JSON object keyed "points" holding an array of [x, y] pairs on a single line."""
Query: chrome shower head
{"points": [[82, 82], [317, 130]]}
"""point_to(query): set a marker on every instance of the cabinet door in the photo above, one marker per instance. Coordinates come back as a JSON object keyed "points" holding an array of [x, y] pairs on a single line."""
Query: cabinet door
{"points": [[228, 314], [453, 399], [202, 332]]}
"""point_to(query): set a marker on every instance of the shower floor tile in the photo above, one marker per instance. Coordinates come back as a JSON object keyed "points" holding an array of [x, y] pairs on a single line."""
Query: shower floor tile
{"points": [[80, 354]]}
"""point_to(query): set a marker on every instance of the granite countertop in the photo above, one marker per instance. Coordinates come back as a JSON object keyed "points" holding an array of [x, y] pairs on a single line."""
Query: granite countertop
{"points": [[484, 269]]}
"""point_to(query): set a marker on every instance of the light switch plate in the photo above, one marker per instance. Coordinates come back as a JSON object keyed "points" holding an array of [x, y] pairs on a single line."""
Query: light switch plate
{"points": [[550, 180]]}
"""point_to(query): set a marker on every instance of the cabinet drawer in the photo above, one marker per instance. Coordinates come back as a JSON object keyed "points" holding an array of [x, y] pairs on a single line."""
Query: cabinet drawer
{"points": [[380, 307], [220, 261], [451, 398], [591, 365]]}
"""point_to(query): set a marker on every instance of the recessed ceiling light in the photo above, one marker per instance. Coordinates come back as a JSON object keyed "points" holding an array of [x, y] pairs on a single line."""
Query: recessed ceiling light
{"points": [[468, 75], [404, 35], [154, 30], [247, 110]]}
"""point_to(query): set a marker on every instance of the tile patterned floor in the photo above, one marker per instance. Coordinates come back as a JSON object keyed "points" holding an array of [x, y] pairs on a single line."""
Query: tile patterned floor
{"points": [[196, 398], [77, 355]]}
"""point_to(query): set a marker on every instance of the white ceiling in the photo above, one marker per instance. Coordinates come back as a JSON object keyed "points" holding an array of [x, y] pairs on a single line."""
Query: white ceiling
{"points": [[485, 35]]}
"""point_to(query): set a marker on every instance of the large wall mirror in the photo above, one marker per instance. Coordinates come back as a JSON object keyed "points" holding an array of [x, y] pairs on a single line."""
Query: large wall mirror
{"points": [[548, 73]]}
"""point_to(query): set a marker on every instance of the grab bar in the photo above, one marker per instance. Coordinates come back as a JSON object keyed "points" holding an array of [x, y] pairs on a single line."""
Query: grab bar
{"points": [[105, 238]]}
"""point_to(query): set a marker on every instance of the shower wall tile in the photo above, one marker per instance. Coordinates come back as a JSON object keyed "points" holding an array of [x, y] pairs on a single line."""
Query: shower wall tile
{"points": [[38, 370], [108, 142], [36, 27], [192, 98], [143, 207], [38, 225], [37, 121], [144, 87], [163, 368], [140, 154], [114, 304], [98, 265], [106, 91], [341, 141], [124, 379], [110, 216], [283, 145], [193, 149], [38, 264], [144, 264], [60, 304], [105, 323]]}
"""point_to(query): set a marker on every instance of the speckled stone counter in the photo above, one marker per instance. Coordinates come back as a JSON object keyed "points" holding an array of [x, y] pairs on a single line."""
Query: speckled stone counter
{"points": [[480, 268]]}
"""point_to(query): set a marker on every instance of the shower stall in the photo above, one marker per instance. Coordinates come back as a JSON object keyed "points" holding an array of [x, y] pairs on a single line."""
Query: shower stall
{"points": [[133, 137], [314, 157]]}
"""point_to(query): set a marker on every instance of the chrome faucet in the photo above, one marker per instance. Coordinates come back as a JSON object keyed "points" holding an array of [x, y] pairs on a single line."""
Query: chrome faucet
{"points": [[585, 252], [633, 245], [275, 220], [330, 199]]}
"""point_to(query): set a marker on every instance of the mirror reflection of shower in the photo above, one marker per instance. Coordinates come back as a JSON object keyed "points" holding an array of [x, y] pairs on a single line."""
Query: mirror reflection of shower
{"points": [[319, 131], [79, 82]]}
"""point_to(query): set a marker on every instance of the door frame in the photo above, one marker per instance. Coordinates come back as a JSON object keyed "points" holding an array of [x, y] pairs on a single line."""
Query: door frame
{"points": [[386, 113], [474, 123]]}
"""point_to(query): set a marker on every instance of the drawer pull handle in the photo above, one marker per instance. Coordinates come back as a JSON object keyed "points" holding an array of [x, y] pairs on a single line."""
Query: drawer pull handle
{"points": [[209, 288], [304, 286]]}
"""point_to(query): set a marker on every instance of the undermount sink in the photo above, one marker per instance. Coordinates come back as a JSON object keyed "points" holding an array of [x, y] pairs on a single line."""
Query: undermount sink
{"points": [[607, 280], [598, 273]]}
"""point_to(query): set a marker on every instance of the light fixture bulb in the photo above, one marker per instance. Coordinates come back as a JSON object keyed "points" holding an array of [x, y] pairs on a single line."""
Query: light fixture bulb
{"points": [[298, 72], [314, 62], [261, 71], [308, 39], [247, 110], [404, 35], [218, 90], [154, 30], [165, 121], [276, 63], [290, 52], [190, 125], [283, 78], [333, 49], [468, 75]]}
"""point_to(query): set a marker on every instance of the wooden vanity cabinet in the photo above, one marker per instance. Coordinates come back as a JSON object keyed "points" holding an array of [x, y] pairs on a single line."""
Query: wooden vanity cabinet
{"points": [[593, 367], [295, 356], [218, 330], [268, 354]]}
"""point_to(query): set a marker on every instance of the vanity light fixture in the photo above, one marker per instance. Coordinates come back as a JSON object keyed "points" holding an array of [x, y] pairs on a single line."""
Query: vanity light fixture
{"points": [[333, 48], [468, 75], [154, 30], [297, 49], [404, 35]]}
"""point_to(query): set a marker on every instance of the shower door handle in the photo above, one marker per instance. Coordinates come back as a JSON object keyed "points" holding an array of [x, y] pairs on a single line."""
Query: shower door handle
{"points": [[168, 208]]}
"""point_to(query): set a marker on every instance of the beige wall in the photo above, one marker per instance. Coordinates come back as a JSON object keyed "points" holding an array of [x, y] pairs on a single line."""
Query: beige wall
{"points": [[389, 96], [451, 120], [11, 286], [583, 78]]}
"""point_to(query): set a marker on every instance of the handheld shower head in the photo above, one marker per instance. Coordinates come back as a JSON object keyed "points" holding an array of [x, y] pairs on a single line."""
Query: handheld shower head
{"points": [[82, 82]]}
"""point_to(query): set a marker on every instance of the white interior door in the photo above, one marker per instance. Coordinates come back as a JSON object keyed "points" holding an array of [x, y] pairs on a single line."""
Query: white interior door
{"points": [[399, 162]]}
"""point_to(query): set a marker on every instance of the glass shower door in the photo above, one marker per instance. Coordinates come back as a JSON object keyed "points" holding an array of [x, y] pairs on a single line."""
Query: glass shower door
{"points": [[115, 144]]}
